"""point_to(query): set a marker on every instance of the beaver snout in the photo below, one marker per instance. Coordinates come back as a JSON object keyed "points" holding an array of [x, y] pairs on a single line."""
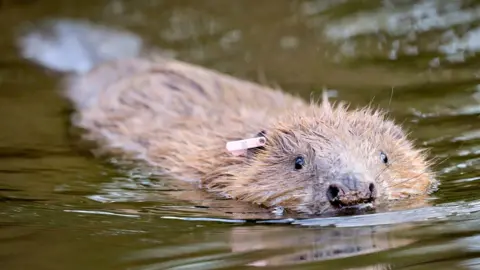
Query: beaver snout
{"points": [[350, 191]]}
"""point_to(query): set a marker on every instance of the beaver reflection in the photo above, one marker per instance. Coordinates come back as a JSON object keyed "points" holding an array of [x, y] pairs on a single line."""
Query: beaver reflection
{"points": [[316, 244]]}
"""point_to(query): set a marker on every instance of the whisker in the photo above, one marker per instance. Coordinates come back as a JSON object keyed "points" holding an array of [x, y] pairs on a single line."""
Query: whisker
{"points": [[380, 173], [434, 161], [402, 182], [407, 180], [391, 97], [371, 102], [385, 169]]}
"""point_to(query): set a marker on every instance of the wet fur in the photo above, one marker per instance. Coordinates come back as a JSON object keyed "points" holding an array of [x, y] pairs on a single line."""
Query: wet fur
{"points": [[178, 117]]}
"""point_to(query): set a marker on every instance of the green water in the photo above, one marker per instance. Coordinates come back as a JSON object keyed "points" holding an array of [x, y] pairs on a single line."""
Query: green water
{"points": [[61, 208]]}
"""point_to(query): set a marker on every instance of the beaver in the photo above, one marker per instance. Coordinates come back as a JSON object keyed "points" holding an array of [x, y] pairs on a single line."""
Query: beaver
{"points": [[313, 156]]}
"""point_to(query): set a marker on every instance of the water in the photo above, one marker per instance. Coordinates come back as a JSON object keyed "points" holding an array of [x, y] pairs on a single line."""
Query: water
{"points": [[61, 208]]}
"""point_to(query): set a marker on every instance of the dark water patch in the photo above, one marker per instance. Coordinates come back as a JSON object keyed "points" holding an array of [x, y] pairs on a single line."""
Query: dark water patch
{"points": [[5, 199]]}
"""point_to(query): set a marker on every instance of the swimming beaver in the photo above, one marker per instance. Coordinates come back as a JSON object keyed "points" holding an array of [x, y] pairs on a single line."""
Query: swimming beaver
{"points": [[312, 156]]}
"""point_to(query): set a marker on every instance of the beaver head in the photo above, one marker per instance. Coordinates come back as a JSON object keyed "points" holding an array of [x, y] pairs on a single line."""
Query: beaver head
{"points": [[330, 157]]}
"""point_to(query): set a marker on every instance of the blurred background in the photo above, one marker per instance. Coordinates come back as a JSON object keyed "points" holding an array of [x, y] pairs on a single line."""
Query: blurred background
{"points": [[61, 208]]}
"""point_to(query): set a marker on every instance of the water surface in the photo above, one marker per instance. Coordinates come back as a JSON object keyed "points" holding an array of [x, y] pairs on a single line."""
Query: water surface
{"points": [[62, 208]]}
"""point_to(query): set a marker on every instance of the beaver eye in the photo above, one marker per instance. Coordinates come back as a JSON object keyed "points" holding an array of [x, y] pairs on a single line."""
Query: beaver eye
{"points": [[299, 163], [384, 157]]}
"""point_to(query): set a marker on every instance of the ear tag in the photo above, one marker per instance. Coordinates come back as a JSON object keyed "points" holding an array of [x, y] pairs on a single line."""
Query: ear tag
{"points": [[239, 148]]}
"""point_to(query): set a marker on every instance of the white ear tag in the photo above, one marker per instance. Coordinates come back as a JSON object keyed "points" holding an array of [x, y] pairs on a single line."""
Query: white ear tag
{"points": [[238, 148]]}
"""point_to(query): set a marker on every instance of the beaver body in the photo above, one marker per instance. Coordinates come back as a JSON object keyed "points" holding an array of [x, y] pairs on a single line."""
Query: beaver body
{"points": [[178, 117]]}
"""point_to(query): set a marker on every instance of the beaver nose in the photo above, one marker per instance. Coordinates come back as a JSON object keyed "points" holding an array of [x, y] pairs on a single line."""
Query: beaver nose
{"points": [[350, 191]]}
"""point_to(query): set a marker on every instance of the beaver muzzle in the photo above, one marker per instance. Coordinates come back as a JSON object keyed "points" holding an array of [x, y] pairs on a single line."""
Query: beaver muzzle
{"points": [[351, 192]]}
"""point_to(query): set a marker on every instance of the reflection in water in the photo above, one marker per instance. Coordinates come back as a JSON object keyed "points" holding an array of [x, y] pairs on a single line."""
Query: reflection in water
{"points": [[267, 246], [332, 248], [310, 245], [345, 239]]}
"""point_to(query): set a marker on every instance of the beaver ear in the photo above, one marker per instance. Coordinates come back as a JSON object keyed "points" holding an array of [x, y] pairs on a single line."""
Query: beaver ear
{"points": [[253, 151], [262, 133]]}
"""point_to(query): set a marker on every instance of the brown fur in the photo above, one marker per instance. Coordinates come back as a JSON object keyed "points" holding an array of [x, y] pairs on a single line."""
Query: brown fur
{"points": [[178, 117]]}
